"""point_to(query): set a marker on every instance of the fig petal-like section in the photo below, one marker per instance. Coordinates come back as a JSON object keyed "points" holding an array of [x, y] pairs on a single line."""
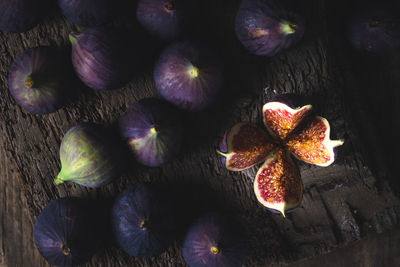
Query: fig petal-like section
{"points": [[246, 146], [311, 142], [281, 120], [278, 184]]}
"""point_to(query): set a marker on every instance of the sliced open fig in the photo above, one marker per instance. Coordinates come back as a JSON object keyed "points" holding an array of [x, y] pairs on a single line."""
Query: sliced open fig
{"points": [[281, 119], [244, 146], [311, 142], [278, 184]]}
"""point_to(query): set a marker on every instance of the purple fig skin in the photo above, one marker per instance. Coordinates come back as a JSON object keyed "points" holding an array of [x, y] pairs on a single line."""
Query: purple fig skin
{"points": [[265, 27], [162, 18], [375, 29], [223, 147], [88, 13], [143, 224], [20, 15], [64, 233], [87, 157], [153, 130], [100, 58], [290, 99], [213, 241], [188, 76], [37, 82]]}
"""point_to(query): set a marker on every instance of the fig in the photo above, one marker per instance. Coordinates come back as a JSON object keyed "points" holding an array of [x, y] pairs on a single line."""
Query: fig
{"points": [[188, 75], [375, 29], [142, 221], [267, 27], [214, 241], [88, 13], [162, 18], [20, 15], [294, 130], [100, 58], [87, 157], [153, 130], [64, 232], [37, 80]]}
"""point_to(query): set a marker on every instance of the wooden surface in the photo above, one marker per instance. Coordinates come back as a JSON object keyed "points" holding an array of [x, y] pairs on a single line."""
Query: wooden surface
{"points": [[350, 201]]}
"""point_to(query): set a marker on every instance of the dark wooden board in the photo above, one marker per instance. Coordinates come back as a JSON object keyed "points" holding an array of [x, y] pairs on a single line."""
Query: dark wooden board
{"points": [[345, 202]]}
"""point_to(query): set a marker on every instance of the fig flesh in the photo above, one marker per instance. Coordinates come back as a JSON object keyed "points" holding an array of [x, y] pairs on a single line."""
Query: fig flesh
{"points": [[278, 183], [267, 27], [37, 80], [87, 157], [153, 130]]}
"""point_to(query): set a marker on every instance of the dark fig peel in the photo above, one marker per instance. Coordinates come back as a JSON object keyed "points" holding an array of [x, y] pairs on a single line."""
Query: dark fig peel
{"points": [[64, 232], [375, 29], [162, 18], [89, 13], [20, 15], [87, 157], [153, 130], [100, 57], [37, 80], [143, 224], [267, 27], [189, 75], [214, 241]]}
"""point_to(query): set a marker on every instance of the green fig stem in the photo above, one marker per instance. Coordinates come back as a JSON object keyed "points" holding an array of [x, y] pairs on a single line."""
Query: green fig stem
{"points": [[73, 38], [221, 153], [215, 250], [66, 250], [288, 27], [58, 181], [144, 225], [154, 130], [29, 82], [194, 72]]}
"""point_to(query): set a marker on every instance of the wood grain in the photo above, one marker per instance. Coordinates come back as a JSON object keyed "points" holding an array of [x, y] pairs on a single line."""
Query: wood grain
{"points": [[342, 203]]}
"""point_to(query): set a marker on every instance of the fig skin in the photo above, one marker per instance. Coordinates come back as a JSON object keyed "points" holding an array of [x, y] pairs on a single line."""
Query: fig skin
{"points": [[214, 241], [189, 75], [89, 13], [142, 221], [375, 29], [161, 18], [20, 15], [37, 81], [268, 27], [87, 157], [100, 58], [64, 232], [154, 131]]}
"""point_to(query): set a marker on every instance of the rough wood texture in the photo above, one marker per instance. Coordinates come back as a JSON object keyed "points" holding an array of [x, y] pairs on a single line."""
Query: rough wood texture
{"points": [[342, 203]]}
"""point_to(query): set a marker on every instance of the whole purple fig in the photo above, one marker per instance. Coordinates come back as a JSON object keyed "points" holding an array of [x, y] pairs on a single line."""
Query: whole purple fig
{"points": [[89, 13], [64, 232], [267, 27], [37, 80], [375, 29], [153, 130], [162, 18], [100, 58], [214, 241], [20, 15], [87, 157], [188, 75]]}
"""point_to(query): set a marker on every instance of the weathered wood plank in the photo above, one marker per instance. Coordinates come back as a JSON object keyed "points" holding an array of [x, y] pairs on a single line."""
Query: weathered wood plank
{"points": [[342, 203]]}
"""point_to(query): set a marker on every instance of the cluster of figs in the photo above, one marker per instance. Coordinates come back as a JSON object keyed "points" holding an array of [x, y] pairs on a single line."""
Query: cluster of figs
{"points": [[189, 76]]}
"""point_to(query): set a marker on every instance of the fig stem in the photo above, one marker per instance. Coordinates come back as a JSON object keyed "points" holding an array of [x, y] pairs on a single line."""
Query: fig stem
{"points": [[373, 23], [58, 181], [144, 225], [29, 82], [288, 27], [215, 250], [154, 130], [221, 153], [336, 143], [194, 72], [66, 250], [170, 6], [72, 38]]}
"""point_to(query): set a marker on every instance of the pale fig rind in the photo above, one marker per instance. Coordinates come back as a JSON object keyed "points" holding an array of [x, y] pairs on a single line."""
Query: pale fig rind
{"points": [[312, 144], [246, 145], [278, 184], [281, 119]]}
